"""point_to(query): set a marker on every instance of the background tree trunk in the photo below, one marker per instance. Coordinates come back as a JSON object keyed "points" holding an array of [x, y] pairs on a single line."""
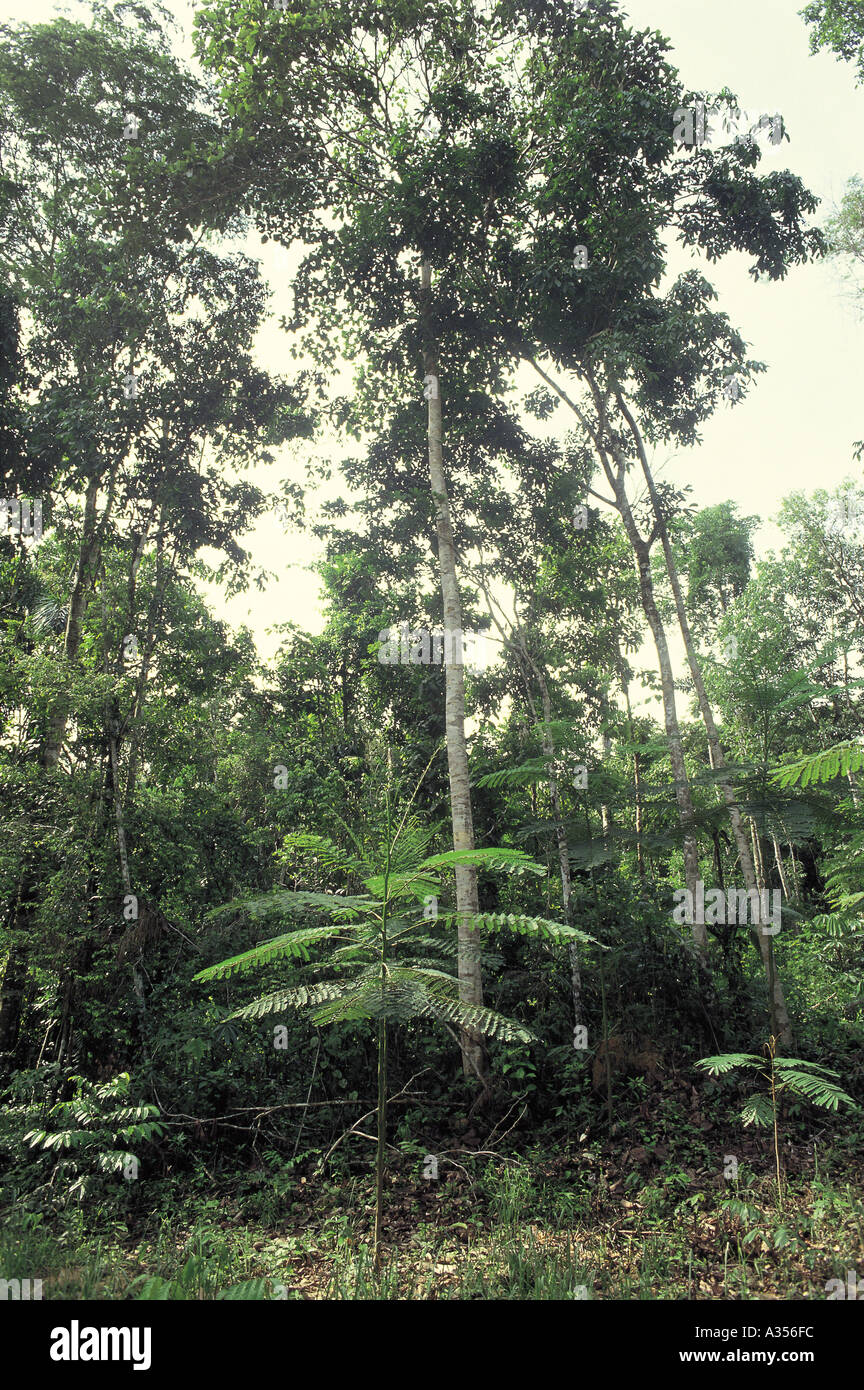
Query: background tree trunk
{"points": [[467, 902], [780, 1018], [77, 605]]}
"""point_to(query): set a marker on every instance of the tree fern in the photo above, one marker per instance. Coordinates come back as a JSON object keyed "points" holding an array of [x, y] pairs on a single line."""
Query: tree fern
{"points": [[385, 965], [808, 1080]]}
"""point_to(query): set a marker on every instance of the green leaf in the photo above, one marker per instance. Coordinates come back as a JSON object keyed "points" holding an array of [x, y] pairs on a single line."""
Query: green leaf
{"points": [[298, 997], [478, 1020], [728, 1061], [817, 1090], [293, 944], [758, 1111], [533, 926], [284, 900], [249, 1289], [510, 860], [840, 760]]}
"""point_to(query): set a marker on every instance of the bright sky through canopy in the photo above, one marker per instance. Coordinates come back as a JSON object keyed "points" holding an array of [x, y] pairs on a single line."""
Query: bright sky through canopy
{"points": [[797, 429]]}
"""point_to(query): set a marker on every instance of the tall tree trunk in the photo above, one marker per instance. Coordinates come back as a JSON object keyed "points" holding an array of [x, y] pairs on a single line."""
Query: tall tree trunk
{"points": [[467, 902], [154, 616], [780, 1018], [781, 872], [58, 716], [15, 976], [607, 820], [515, 641], [562, 844], [114, 790], [670, 715], [637, 787], [616, 478], [793, 874], [758, 865]]}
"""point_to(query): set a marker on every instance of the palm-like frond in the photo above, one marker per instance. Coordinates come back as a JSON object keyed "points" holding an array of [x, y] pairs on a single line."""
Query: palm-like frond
{"points": [[293, 944], [535, 770], [793, 1063], [533, 926], [817, 1089], [412, 885], [286, 900], [834, 924], [510, 860], [297, 997], [477, 1019], [49, 615], [838, 761], [329, 854], [290, 900], [426, 972], [442, 945], [727, 1061], [758, 1111]]}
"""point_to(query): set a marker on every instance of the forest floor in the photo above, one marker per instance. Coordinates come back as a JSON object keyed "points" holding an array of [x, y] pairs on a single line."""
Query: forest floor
{"points": [[615, 1223]]}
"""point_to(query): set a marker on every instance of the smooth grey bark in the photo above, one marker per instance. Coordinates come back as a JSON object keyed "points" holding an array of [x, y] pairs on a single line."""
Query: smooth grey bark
{"points": [[780, 1019], [88, 554], [670, 715], [467, 902], [604, 444], [637, 788], [513, 637], [560, 834]]}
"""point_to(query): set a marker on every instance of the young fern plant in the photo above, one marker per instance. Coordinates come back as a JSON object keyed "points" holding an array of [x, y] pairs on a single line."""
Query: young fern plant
{"points": [[92, 1131], [779, 1075], [845, 876], [384, 959]]}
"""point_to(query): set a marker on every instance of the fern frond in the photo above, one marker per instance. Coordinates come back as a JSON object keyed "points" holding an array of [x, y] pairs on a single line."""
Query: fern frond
{"points": [[441, 944], [331, 855], [838, 761], [535, 770], [758, 1111], [406, 885], [298, 997], [510, 860], [366, 999], [477, 1019], [727, 1061], [285, 900], [792, 1063], [292, 944], [423, 972], [533, 926], [817, 1089]]}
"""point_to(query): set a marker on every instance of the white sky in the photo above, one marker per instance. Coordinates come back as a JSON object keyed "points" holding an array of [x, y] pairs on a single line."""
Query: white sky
{"points": [[797, 428]]}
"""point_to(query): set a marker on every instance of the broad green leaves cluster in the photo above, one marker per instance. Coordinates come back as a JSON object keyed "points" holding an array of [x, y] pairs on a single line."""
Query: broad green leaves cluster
{"points": [[392, 962]]}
